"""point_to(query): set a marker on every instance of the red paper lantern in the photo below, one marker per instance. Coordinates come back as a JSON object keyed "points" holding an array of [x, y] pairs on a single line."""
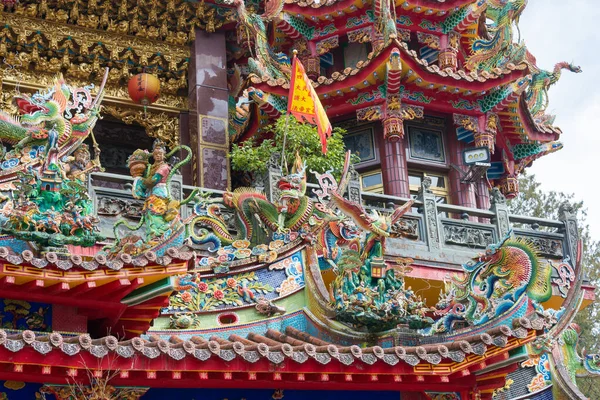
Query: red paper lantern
{"points": [[144, 89]]}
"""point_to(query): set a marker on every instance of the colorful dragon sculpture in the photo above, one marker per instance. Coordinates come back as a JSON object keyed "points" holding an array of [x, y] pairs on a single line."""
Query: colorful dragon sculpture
{"points": [[70, 112], [369, 293], [48, 206], [255, 215], [498, 47], [537, 92], [492, 284], [275, 65]]}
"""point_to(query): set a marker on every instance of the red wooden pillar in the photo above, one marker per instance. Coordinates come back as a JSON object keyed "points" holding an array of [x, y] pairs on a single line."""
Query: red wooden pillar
{"points": [[481, 188], [461, 194], [394, 169], [208, 102], [483, 194]]}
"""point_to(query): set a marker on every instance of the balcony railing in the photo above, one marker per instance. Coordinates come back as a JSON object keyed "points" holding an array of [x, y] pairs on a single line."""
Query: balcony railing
{"points": [[436, 232]]}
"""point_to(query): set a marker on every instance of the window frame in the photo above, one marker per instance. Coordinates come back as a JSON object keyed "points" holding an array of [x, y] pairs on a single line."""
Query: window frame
{"points": [[378, 189], [437, 191], [438, 128], [360, 129]]}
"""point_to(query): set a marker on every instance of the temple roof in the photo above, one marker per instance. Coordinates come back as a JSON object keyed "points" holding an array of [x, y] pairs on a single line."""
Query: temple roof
{"points": [[275, 347], [378, 58], [98, 261]]}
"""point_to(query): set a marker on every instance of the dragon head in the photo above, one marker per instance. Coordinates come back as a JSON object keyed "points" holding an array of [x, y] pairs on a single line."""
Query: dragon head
{"points": [[591, 363], [518, 7], [258, 96], [495, 264], [345, 229], [74, 106], [293, 186], [574, 68], [348, 229]]}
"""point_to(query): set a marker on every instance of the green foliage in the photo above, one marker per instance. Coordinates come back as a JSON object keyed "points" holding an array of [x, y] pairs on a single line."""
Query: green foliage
{"points": [[537, 203], [301, 138]]}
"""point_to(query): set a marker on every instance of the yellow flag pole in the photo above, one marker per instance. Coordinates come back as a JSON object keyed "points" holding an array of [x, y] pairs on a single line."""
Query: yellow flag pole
{"points": [[287, 120]]}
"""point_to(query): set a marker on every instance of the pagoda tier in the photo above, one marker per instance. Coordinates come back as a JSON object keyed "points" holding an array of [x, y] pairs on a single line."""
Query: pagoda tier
{"points": [[371, 63]]}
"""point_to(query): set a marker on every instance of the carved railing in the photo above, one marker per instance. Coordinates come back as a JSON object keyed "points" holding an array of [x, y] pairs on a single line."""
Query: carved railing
{"points": [[432, 231]]}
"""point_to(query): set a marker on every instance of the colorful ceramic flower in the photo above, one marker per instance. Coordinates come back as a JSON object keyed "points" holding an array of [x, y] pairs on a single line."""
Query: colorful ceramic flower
{"points": [[218, 294], [232, 283], [203, 287], [186, 297]]}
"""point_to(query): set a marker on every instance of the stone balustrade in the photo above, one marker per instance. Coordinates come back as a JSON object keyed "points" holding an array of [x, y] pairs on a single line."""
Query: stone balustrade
{"points": [[433, 232]]}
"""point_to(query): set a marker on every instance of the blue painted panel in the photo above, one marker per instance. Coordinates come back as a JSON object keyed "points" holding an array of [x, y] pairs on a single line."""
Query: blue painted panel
{"points": [[544, 395], [465, 135], [22, 315], [496, 170], [429, 54], [11, 390]]}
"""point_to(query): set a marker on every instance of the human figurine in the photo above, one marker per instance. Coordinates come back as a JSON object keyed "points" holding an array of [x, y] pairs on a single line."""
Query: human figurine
{"points": [[80, 164], [153, 185], [160, 209], [160, 220]]}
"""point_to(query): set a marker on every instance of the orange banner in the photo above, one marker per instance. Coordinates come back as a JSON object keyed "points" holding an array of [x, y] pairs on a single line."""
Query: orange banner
{"points": [[304, 104]]}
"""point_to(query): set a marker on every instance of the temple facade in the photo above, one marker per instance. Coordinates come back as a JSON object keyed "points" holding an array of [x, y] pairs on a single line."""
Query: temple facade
{"points": [[137, 263]]}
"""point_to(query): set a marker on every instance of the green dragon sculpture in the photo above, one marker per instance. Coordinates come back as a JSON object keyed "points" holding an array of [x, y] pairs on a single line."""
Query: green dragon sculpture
{"points": [[498, 48], [526, 153], [267, 62], [536, 95], [70, 112], [493, 283], [255, 215]]}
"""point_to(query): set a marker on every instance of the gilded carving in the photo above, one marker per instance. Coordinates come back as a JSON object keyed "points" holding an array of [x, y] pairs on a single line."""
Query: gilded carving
{"points": [[171, 21], [429, 40], [51, 47], [14, 78], [467, 122], [161, 125], [410, 112]]}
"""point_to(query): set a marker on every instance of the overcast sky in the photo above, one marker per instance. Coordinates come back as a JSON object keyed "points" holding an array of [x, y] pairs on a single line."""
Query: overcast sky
{"points": [[559, 30]]}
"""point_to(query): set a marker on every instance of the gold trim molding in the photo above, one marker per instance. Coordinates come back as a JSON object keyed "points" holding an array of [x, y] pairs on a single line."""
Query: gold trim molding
{"points": [[159, 125]]}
